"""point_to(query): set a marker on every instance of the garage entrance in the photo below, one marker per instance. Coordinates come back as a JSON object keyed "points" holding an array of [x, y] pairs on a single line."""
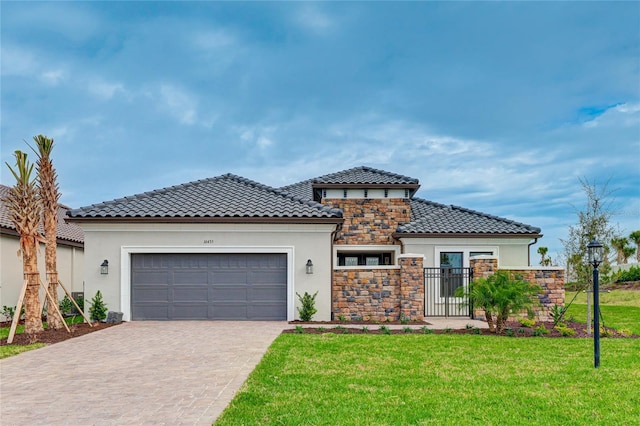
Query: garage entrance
{"points": [[209, 286]]}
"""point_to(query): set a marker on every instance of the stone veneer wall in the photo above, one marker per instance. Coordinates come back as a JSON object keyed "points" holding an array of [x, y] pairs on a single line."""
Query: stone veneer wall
{"points": [[370, 221], [380, 294], [550, 279]]}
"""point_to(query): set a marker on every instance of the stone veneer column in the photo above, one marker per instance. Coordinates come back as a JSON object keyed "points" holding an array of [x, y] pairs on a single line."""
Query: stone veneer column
{"points": [[411, 286], [483, 266]]}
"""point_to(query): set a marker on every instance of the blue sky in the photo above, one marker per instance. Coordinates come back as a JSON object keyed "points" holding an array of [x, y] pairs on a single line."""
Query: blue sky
{"points": [[497, 107]]}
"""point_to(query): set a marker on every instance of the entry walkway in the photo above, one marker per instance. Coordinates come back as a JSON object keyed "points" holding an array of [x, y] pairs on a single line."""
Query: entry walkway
{"points": [[137, 373]]}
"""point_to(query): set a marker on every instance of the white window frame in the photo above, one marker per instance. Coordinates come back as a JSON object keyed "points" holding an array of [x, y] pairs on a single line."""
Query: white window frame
{"points": [[466, 251]]}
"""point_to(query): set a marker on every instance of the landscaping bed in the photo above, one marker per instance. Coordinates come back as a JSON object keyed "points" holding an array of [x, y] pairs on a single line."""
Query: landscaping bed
{"points": [[50, 336], [513, 329]]}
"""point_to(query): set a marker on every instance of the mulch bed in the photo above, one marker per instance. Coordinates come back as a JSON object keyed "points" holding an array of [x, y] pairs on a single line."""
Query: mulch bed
{"points": [[514, 329], [50, 336]]}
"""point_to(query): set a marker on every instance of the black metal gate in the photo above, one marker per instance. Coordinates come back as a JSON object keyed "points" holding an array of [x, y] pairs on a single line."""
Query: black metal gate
{"points": [[440, 286]]}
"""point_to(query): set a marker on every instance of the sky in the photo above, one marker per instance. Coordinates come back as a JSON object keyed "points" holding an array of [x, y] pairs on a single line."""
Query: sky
{"points": [[500, 107]]}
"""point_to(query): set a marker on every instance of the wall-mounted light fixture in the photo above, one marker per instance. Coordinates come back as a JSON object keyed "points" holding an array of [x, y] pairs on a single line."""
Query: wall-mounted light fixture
{"points": [[309, 267], [104, 268]]}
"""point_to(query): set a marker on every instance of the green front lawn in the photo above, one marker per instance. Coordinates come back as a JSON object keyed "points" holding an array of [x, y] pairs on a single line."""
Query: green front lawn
{"points": [[439, 379], [620, 309]]}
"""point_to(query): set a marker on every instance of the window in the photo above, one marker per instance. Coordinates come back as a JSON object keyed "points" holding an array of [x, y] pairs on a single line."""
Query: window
{"points": [[365, 259], [365, 256]]}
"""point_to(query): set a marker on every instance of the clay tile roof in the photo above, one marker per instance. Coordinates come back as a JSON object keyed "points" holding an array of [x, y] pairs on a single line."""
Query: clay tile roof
{"points": [[428, 217], [66, 231], [356, 176], [226, 196]]}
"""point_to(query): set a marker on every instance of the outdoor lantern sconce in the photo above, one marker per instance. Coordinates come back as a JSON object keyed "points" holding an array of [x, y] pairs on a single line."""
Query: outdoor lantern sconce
{"points": [[104, 268], [595, 254], [309, 267]]}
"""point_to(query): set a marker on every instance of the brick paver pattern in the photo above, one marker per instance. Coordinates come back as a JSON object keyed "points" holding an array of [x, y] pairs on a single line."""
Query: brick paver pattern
{"points": [[142, 373]]}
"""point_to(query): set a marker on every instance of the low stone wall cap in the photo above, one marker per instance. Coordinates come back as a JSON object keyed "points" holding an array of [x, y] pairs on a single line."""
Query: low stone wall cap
{"points": [[410, 255]]}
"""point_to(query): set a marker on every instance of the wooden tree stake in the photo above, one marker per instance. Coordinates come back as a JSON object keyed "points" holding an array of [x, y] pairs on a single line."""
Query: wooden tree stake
{"points": [[55, 306], [16, 314], [74, 302]]}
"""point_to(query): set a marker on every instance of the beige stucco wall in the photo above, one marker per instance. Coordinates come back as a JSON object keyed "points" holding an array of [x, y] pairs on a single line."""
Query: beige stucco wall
{"points": [[510, 251], [115, 243], [70, 269]]}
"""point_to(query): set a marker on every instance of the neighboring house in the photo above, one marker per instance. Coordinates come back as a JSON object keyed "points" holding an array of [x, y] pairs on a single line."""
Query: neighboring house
{"points": [[231, 248], [70, 248]]}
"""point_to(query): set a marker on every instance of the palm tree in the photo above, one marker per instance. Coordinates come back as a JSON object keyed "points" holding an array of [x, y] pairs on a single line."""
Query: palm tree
{"points": [[635, 237], [24, 212], [627, 252], [619, 243], [542, 251], [49, 197]]}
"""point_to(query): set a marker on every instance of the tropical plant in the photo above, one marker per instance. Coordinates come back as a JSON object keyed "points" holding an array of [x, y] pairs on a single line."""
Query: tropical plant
{"points": [[500, 295], [24, 212], [98, 309], [308, 308], [635, 237], [542, 251], [620, 244], [49, 198]]}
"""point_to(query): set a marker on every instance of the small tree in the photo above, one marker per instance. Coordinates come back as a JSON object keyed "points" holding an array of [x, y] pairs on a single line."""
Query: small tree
{"points": [[308, 308], [635, 237], [500, 295], [593, 223], [98, 309], [542, 251]]}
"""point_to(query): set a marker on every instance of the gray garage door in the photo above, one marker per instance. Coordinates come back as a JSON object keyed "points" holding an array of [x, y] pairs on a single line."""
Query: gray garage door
{"points": [[232, 286]]}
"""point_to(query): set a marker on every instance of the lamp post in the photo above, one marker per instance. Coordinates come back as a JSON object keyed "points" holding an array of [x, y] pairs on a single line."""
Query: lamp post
{"points": [[595, 252]]}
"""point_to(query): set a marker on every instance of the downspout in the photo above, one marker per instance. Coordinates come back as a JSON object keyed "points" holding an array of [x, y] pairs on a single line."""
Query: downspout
{"points": [[529, 251]]}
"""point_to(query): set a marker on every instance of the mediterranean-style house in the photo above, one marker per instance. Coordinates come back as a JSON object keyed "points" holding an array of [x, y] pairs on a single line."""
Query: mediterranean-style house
{"points": [[70, 255], [231, 248]]}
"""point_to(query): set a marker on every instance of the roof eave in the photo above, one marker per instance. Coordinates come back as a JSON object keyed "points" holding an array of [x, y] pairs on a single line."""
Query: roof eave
{"points": [[274, 220], [413, 186], [462, 235]]}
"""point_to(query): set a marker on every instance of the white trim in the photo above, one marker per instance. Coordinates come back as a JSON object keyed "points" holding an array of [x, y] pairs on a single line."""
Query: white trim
{"points": [[125, 267]]}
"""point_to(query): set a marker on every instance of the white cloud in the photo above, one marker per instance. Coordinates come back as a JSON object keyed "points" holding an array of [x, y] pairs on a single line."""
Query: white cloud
{"points": [[213, 39], [311, 18], [178, 104], [105, 90], [53, 77], [627, 115]]}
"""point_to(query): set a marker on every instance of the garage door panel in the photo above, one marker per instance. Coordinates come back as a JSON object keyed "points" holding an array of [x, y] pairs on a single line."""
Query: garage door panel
{"points": [[228, 293], [191, 277], [228, 311], [189, 311], [151, 278], [152, 312], [228, 277], [152, 294], [190, 294], [267, 311], [231, 286]]}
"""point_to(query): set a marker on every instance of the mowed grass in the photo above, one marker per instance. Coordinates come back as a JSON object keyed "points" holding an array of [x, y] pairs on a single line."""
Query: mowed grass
{"points": [[620, 309], [332, 379]]}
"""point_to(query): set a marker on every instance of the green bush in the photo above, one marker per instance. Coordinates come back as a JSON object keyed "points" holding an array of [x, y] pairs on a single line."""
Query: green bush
{"points": [[308, 308], [565, 331], [631, 274], [65, 305], [525, 322], [98, 309], [540, 330]]}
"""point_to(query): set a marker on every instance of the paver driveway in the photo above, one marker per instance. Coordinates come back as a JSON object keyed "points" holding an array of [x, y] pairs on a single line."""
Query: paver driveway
{"points": [[136, 373]]}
